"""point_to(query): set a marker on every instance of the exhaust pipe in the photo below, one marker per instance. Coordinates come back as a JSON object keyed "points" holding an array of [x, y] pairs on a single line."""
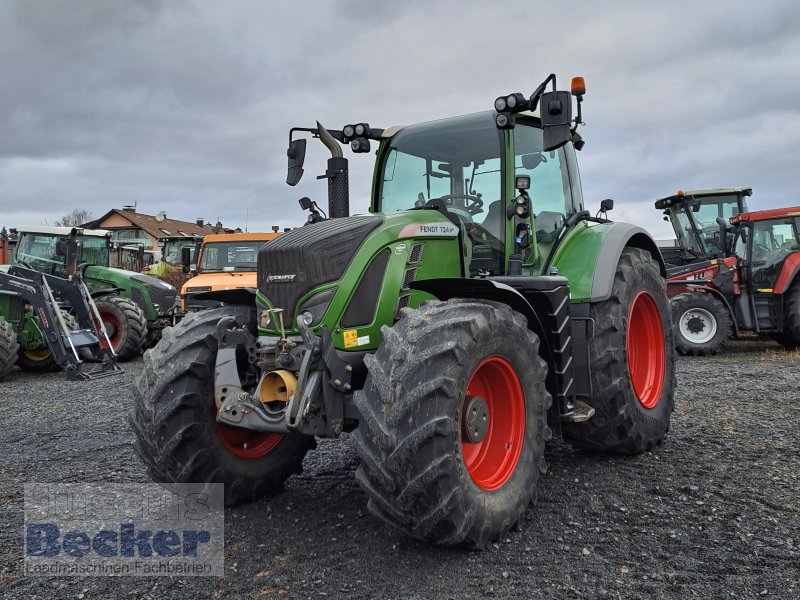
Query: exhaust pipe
{"points": [[337, 175]]}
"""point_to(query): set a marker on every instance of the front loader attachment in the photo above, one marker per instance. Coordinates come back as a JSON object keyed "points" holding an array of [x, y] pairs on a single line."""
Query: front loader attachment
{"points": [[72, 348]]}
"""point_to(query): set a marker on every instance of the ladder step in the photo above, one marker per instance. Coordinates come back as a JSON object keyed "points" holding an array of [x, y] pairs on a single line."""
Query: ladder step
{"points": [[580, 412]]}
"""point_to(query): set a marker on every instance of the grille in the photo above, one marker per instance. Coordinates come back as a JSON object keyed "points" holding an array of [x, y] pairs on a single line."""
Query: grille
{"points": [[409, 276], [310, 256], [402, 302], [416, 253]]}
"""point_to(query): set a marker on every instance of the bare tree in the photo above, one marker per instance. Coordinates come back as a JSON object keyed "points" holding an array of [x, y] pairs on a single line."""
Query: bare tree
{"points": [[79, 216]]}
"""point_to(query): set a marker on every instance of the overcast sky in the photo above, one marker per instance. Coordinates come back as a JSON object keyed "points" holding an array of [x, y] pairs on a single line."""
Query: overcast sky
{"points": [[185, 106]]}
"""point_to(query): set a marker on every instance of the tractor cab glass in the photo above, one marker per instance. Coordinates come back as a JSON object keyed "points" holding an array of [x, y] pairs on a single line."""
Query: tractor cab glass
{"points": [[685, 232], [221, 257], [772, 242], [455, 162], [41, 252], [551, 190]]}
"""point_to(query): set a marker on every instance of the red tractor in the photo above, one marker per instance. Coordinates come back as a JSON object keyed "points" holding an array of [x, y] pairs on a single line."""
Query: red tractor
{"points": [[731, 270]]}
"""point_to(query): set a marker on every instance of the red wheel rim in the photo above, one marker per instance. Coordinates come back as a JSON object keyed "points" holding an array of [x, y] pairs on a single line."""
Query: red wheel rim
{"points": [[493, 460], [646, 353], [113, 328], [245, 443]]}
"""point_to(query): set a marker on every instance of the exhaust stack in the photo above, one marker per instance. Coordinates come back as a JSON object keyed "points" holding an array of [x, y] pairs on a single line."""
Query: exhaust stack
{"points": [[337, 175]]}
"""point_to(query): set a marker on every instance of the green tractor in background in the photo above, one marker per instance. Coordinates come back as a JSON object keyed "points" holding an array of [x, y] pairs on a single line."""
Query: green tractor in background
{"points": [[134, 307], [476, 311]]}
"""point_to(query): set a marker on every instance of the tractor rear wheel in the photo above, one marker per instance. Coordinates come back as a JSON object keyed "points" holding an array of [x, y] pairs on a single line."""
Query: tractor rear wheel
{"points": [[174, 418], [453, 422], [8, 347], [125, 324], [702, 324], [790, 336], [633, 362], [41, 360]]}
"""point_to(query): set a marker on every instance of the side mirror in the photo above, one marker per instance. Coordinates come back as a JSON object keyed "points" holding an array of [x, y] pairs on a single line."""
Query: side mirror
{"points": [[297, 156], [607, 205], [722, 239], [186, 259], [556, 114]]}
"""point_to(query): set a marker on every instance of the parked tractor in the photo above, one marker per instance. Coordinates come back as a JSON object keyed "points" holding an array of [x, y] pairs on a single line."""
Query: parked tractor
{"points": [[134, 307], [475, 312], [733, 270], [45, 315], [225, 261]]}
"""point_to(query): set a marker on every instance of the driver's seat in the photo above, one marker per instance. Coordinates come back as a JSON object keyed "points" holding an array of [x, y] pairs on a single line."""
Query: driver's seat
{"points": [[493, 223]]}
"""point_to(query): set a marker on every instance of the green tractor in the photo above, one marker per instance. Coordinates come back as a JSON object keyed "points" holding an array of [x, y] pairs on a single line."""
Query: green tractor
{"points": [[475, 312], [134, 307]]}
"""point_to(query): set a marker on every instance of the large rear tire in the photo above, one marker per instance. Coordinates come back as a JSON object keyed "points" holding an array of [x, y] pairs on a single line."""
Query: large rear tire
{"points": [[125, 323], [8, 348], [790, 336], [632, 360], [427, 465], [702, 324], [41, 360], [174, 419]]}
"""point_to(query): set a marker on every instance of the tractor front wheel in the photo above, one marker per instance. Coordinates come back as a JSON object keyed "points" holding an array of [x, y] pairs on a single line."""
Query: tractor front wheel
{"points": [[41, 359], [174, 418], [125, 325], [8, 347], [633, 362], [702, 324], [453, 422]]}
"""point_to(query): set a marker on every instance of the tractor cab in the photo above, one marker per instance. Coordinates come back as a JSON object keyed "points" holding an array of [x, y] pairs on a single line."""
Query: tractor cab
{"points": [[768, 245], [700, 221], [469, 169], [59, 250]]}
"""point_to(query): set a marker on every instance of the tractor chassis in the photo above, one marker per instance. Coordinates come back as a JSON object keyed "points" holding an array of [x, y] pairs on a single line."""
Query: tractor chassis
{"points": [[323, 398]]}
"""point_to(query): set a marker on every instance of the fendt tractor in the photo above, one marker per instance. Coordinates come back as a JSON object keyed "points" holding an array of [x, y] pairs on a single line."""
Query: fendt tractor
{"points": [[54, 316], [477, 310], [733, 270], [135, 307]]}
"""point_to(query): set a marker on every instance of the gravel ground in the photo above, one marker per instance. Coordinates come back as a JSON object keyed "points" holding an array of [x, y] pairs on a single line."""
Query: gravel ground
{"points": [[714, 512]]}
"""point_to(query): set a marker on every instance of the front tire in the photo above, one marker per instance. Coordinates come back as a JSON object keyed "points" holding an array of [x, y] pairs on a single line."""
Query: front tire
{"points": [[174, 419], [633, 362], [702, 324], [41, 359], [8, 347], [125, 323], [428, 466]]}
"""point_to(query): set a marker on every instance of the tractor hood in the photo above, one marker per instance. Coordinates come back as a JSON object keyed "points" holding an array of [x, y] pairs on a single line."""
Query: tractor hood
{"points": [[303, 259]]}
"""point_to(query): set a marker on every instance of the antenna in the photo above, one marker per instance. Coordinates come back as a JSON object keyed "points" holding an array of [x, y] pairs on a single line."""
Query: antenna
{"points": [[246, 218]]}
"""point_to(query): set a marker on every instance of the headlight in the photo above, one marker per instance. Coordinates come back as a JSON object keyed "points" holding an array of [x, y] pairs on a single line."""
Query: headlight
{"points": [[314, 308]]}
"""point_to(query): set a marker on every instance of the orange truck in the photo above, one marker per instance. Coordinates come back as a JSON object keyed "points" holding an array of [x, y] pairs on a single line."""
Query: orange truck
{"points": [[226, 261]]}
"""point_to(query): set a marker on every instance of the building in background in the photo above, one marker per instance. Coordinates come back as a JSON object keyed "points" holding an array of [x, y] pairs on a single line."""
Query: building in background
{"points": [[130, 227]]}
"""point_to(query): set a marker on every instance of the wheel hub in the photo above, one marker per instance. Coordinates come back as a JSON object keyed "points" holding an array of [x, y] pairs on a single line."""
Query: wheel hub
{"points": [[695, 324], [476, 419]]}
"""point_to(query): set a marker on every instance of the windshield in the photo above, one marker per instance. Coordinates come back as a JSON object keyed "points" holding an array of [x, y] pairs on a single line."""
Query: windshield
{"points": [[172, 250], [773, 241], [456, 160], [219, 257], [40, 252], [687, 238]]}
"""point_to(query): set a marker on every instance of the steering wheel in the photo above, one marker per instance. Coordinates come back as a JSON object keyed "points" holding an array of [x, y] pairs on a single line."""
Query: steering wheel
{"points": [[474, 206], [761, 248]]}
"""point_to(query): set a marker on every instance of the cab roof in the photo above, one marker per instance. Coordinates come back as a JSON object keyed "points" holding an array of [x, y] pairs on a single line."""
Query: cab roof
{"points": [[239, 237], [64, 231], [679, 197], [765, 215]]}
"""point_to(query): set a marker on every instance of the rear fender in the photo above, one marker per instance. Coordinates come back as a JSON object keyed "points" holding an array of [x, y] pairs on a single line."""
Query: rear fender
{"points": [[621, 236], [788, 274]]}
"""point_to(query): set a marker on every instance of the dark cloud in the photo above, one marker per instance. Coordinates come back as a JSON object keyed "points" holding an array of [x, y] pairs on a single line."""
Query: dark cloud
{"points": [[186, 106]]}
